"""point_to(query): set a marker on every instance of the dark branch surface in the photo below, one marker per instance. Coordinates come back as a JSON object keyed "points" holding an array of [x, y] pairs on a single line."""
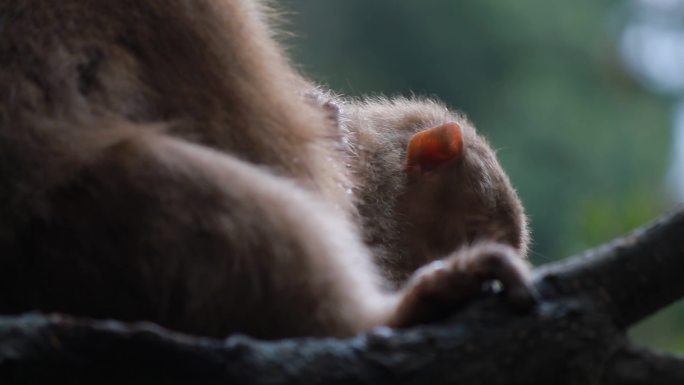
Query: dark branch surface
{"points": [[37, 350], [574, 336], [638, 366], [632, 277]]}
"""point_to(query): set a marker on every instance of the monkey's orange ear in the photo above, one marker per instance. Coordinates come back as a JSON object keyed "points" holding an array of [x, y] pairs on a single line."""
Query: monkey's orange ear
{"points": [[433, 147]]}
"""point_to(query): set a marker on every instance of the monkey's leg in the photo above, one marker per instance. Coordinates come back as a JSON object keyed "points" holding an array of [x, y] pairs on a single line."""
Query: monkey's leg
{"points": [[440, 286], [162, 230]]}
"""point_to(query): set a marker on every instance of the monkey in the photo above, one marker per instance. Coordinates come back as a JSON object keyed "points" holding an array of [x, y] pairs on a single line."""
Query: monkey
{"points": [[158, 165], [416, 206]]}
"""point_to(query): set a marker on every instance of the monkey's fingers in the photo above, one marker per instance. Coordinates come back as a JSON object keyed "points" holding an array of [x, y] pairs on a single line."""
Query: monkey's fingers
{"points": [[441, 286], [498, 262]]}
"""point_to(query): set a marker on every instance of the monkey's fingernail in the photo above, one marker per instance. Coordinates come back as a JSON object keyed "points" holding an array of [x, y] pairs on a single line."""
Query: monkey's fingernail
{"points": [[491, 287]]}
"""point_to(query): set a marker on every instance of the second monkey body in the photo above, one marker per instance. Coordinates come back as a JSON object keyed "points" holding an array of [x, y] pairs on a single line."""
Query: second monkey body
{"points": [[425, 183]]}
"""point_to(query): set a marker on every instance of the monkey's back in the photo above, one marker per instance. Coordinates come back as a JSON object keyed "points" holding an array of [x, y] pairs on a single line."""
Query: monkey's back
{"points": [[206, 71]]}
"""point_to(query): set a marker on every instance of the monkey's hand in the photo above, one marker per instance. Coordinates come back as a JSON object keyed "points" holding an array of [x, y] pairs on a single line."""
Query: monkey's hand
{"points": [[436, 289]]}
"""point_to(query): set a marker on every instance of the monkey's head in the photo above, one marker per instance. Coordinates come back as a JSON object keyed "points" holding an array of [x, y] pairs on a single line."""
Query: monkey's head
{"points": [[457, 194]]}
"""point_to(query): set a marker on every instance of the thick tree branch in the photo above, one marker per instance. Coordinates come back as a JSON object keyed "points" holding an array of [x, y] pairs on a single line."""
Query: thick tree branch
{"points": [[574, 336], [638, 366], [632, 277], [489, 343]]}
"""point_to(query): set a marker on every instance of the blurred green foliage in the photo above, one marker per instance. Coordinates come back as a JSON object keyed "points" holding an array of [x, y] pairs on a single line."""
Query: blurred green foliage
{"points": [[585, 145]]}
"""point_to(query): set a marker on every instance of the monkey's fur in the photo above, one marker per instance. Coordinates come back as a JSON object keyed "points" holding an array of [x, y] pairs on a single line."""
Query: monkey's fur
{"points": [[158, 163], [411, 218]]}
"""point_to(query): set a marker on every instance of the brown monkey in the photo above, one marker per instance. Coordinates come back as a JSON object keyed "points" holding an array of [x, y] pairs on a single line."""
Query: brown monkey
{"points": [[427, 183], [158, 165]]}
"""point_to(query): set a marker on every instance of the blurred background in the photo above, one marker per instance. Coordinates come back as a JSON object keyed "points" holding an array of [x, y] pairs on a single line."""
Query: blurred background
{"points": [[584, 100]]}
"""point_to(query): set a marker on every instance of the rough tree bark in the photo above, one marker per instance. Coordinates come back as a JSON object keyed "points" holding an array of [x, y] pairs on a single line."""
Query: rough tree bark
{"points": [[576, 335]]}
